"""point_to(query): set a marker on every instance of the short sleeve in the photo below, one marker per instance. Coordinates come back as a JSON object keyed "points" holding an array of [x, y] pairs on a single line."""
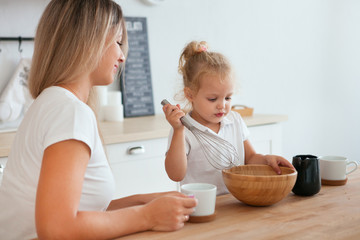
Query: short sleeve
{"points": [[75, 121], [242, 126]]}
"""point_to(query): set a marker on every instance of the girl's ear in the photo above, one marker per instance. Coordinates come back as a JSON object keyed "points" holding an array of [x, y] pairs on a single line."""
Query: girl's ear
{"points": [[188, 94]]}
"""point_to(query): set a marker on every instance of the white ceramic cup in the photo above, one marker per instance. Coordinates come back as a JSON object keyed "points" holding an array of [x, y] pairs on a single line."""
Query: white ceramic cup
{"points": [[335, 167], [205, 193], [114, 98], [102, 93], [114, 113]]}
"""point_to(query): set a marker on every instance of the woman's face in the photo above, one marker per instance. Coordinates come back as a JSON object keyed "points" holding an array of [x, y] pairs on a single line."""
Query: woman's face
{"points": [[109, 64]]}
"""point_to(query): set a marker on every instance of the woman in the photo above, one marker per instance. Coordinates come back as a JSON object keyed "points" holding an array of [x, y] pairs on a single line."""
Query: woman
{"points": [[57, 183]]}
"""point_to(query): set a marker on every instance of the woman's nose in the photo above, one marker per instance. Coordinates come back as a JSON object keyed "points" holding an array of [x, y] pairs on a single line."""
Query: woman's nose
{"points": [[122, 57]]}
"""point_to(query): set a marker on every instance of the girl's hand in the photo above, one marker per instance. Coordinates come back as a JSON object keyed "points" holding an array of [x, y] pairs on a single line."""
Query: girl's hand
{"points": [[173, 114], [168, 213], [276, 161]]}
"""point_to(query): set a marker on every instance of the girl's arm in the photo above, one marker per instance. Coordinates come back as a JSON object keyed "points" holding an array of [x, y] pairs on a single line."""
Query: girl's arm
{"points": [[58, 196], [176, 161], [251, 157]]}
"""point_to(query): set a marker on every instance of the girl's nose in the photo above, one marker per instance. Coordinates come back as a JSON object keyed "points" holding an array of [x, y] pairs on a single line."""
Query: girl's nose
{"points": [[221, 104]]}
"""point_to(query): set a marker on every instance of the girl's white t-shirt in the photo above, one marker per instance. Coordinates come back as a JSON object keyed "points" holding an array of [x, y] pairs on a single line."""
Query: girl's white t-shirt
{"points": [[56, 115], [233, 129]]}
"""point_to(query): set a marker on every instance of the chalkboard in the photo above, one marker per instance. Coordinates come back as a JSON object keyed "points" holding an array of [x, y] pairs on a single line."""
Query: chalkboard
{"points": [[136, 83]]}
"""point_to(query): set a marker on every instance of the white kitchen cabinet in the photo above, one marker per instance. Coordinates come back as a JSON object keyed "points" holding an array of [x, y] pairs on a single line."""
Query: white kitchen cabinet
{"points": [[138, 167], [266, 139]]}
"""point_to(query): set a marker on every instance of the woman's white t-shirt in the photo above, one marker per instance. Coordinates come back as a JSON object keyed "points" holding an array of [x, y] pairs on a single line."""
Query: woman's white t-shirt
{"points": [[54, 116], [199, 170]]}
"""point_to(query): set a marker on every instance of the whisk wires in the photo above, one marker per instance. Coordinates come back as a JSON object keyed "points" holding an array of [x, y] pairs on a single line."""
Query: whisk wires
{"points": [[218, 152]]}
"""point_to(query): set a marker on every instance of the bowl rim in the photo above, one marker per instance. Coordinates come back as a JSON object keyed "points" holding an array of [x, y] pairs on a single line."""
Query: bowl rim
{"points": [[224, 171]]}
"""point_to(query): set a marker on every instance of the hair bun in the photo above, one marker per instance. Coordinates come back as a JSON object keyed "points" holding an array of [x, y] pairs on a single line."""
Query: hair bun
{"points": [[201, 47], [194, 48], [192, 53]]}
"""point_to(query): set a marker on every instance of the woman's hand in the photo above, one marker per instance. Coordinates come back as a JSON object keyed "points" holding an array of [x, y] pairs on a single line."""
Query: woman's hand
{"points": [[173, 114], [138, 199], [168, 213]]}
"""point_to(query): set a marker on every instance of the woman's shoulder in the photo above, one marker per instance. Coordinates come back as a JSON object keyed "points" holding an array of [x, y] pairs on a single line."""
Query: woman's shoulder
{"points": [[56, 105], [59, 101], [58, 115]]}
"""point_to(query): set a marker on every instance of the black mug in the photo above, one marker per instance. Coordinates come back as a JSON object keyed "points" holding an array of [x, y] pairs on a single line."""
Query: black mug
{"points": [[308, 180]]}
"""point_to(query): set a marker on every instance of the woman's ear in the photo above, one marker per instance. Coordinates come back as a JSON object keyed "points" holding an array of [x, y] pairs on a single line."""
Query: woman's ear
{"points": [[188, 94]]}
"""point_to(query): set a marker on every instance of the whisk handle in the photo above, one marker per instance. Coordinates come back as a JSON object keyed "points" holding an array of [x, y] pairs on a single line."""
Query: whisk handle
{"points": [[164, 102], [184, 121]]}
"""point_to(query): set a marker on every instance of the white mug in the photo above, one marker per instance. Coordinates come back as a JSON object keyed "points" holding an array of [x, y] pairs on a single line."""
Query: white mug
{"points": [[335, 167], [205, 193], [102, 93], [113, 113], [114, 98]]}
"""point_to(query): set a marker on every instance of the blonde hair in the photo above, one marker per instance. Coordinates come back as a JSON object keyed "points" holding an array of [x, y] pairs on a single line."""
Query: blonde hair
{"points": [[196, 61], [70, 39]]}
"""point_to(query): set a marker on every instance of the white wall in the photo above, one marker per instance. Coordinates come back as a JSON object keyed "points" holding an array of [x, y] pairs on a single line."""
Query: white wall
{"points": [[297, 58]]}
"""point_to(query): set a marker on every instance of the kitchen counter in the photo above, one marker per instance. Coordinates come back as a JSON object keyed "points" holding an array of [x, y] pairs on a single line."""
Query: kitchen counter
{"points": [[140, 128], [333, 213]]}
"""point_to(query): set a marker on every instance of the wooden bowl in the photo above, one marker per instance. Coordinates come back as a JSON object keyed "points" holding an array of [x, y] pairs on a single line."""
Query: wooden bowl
{"points": [[259, 185]]}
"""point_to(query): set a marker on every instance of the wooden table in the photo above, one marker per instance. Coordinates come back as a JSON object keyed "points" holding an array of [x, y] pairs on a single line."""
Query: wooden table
{"points": [[333, 213]]}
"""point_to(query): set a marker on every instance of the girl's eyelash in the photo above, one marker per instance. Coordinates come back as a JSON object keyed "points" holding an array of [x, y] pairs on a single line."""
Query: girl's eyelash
{"points": [[213, 99], [119, 43]]}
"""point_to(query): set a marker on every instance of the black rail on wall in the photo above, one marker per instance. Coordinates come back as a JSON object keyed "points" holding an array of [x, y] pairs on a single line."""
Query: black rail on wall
{"points": [[18, 39]]}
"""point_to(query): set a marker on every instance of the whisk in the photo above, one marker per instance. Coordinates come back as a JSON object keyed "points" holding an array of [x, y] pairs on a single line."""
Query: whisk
{"points": [[218, 152]]}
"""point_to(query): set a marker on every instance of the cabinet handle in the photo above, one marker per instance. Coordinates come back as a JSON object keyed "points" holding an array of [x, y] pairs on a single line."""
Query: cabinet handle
{"points": [[1, 168], [136, 150]]}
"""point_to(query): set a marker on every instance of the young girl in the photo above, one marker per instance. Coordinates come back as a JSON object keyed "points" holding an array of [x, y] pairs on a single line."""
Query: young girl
{"points": [[57, 183], [208, 87]]}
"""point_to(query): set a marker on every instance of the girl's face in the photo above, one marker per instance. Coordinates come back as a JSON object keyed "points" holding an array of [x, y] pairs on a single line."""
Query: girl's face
{"points": [[212, 102], [109, 64]]}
